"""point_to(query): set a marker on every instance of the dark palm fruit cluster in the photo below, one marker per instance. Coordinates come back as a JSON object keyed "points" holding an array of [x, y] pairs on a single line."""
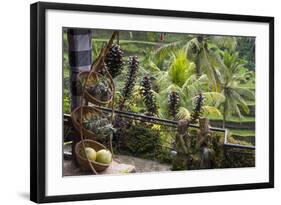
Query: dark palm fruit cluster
{"points": [[114, 60], [174, 103], [197, 111], [103, 69], [133, 65], [148, 96], [200, 38]]}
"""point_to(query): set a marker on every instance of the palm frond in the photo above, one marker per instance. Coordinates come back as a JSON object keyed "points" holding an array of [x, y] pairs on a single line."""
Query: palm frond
{"points": [[241, 101], [245, 92], [192, 48], [210, 110], [207, 67], [213, 98], [194, 85], [183, 114], [180, 68], [227, 42], [165, 50]]}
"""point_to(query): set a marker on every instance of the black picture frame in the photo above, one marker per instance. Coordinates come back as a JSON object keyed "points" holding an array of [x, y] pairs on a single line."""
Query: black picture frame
{"points": [[38, 97]]}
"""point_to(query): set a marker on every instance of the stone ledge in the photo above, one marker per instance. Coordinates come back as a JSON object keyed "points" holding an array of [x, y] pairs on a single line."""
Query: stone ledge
{"points": [[70, 169]]}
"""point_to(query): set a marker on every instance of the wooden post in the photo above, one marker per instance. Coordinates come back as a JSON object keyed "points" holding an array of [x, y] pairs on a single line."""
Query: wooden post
{"points": [[80, 59], [204, 142], [204, 125], [182, 158]]}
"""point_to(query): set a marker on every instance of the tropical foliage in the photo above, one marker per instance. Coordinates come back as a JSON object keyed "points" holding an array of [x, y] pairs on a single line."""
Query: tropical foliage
{"points": [[231, 79], [171, 73], [202, 64], [178, 76]]}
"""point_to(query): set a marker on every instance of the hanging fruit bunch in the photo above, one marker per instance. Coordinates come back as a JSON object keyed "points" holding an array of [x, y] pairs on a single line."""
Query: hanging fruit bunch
{"points": [[114, 60], [149, 98], [173, 103], [133, 66], [197, 111]]}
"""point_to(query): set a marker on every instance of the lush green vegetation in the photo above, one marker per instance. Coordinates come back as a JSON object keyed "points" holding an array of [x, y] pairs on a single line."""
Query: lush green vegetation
{"points": [[244, 133], [233, 118], [221, 68]]}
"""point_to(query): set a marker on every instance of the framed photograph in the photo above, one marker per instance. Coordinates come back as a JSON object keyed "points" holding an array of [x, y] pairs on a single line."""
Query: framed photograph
{"points": [[129, 102]]}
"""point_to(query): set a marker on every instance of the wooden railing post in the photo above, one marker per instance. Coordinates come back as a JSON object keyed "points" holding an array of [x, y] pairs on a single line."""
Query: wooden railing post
{"points": [[204, 143], [80, 59], [182, 142]]}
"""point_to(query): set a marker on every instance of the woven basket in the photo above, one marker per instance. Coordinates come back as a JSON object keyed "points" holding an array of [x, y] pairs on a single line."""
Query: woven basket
{"points": [[75, 116], [94, 75], [83, 162]]}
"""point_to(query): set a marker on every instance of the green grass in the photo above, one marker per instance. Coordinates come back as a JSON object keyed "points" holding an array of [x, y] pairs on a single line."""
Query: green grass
{"points": [[235, 141], [242, 133], [243, 137], [233, 118], [131, 47], [129, 41]]}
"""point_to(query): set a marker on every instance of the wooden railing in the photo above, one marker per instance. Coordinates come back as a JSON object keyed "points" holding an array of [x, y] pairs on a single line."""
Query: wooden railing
{"points": [[165, 122]]}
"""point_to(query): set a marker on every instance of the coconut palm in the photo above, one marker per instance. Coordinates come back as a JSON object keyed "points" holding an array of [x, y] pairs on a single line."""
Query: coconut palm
{"points": [[203, 50], [180, 77], [232, 78]]}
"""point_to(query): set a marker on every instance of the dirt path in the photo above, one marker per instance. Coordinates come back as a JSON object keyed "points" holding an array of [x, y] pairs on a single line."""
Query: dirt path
{"points": [[121, 165], [143, 165]]}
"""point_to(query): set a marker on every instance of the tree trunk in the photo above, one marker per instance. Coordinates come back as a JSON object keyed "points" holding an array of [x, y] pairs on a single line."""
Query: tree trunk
{"points": [[198, 66], [224, 114], [197, 63]]}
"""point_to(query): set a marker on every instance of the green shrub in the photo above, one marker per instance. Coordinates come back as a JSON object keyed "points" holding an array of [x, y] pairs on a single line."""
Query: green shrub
{"points": [[140, 140]]}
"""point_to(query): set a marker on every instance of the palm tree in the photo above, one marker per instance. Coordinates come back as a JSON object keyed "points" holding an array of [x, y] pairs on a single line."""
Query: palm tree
{"points": [[232, 77], [203, 50], [180, 76]]}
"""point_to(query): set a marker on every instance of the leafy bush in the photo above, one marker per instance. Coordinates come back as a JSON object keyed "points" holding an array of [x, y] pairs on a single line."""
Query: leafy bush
{"points": [[140, 140]]}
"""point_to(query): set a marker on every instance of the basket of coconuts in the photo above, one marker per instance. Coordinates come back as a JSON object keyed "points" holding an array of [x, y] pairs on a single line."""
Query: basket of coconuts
{"points": [[98, 155]]}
